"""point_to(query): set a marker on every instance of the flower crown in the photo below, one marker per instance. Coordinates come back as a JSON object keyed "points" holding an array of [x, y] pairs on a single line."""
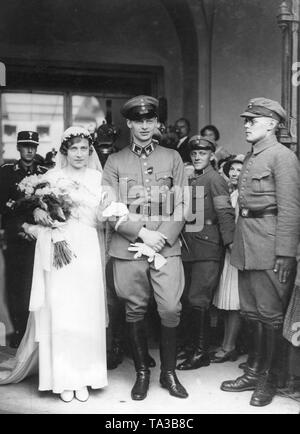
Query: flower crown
{"points": [[76, 132]]}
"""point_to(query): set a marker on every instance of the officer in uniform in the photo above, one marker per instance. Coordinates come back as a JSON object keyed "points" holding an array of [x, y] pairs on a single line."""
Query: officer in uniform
{"points": [[19, 254], [203, 249], [265, 243], [149, 179]]}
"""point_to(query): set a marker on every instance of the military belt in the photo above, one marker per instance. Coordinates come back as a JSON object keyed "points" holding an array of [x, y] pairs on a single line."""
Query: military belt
{"points": [[150, 209], [207, 222], [249, 213]]}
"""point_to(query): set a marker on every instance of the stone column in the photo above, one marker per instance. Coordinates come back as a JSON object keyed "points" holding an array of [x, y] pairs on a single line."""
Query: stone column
{"points": [[288, 21]]}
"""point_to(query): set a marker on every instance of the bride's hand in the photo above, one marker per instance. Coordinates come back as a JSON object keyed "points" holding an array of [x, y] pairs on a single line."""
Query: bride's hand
{"points": [[41, 217]]}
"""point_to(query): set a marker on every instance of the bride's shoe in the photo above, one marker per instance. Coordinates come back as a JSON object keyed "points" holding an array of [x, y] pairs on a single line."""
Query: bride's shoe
{"points": [[82, 394], [67, 395]]}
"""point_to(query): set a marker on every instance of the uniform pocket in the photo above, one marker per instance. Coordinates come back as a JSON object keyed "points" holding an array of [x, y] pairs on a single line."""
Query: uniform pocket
{"points": [[128, 178], [164, 179], [210, 234], [129, 187], [263, 182]]}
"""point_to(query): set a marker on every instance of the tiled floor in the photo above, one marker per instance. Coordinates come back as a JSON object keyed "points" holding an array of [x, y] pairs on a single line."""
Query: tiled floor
{"points": [[203, 386]]}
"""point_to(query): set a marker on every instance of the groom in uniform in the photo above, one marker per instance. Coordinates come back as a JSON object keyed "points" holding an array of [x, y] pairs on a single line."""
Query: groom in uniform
{"points": [[135, 175]]}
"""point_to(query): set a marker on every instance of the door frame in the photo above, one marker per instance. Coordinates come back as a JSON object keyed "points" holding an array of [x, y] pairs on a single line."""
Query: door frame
{"points": [[36, 77]]}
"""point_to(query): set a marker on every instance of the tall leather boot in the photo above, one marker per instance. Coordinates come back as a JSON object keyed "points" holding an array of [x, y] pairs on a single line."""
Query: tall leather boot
{"points": [[266, 389], [250, 326], [138, 340], [200, 356], [185, 332], [114, 340], [249, 380], [168, 378], [150, 360], [256, 354], [281, 361]]}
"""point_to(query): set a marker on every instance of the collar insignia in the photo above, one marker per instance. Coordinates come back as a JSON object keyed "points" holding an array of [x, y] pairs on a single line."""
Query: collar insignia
{"points": [[139, 150], [149, 149]]}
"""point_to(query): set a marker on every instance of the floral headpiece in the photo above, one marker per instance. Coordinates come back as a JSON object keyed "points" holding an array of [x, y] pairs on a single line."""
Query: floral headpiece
{"points": [[76, 132]]}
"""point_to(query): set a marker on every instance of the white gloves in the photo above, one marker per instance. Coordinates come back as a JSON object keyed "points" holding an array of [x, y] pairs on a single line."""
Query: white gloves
{"points": [[143, 249], [120, 210], [115, 209]]}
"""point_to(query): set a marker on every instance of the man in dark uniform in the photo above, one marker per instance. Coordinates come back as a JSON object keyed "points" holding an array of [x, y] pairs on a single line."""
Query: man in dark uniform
{"points": [[144, 176], [265, 244], [19, 254], [182, 128], [203, 250]]}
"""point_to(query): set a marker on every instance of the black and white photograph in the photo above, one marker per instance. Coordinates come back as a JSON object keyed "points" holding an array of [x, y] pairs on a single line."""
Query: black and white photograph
{"points": [[149, 209]]}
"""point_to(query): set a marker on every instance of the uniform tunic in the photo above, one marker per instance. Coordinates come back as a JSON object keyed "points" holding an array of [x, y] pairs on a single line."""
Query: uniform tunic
{"points": [[150, 182], [269, 180], [203, 250], [20, 253]]}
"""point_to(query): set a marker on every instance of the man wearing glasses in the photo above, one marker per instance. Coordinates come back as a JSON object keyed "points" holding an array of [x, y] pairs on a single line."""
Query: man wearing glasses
{"points": [[265, 244]]}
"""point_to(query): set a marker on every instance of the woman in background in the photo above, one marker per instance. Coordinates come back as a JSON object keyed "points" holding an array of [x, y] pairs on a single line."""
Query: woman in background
{"points": [[227, 295], [212, 132]]}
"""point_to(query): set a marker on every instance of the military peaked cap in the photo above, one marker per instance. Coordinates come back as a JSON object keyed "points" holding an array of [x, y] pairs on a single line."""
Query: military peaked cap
{"points": [[199, 142], [28, 137], [263, 107], [140, 107]]}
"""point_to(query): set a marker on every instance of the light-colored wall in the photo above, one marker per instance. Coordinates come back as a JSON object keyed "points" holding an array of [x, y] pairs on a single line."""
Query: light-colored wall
{"points": [[246, 63]]}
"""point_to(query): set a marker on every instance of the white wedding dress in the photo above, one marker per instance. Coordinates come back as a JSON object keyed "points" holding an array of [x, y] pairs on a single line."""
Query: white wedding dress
{"points": [[65, 338]]}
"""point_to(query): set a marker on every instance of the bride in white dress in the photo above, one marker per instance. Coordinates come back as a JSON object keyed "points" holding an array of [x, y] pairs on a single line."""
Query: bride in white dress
{"points": [[66, 328]]}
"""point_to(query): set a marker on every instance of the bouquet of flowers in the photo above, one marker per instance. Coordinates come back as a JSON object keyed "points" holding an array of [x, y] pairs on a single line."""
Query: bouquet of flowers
{"points": [[57, 200], [37, 192]]}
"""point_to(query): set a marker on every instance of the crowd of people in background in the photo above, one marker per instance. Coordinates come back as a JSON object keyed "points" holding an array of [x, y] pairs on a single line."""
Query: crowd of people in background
{"points": [[238, 201]]}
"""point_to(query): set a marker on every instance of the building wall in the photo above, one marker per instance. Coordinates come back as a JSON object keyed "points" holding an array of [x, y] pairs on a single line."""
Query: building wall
{"points": [[246, 49], [104, 32], [246, 63]]}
